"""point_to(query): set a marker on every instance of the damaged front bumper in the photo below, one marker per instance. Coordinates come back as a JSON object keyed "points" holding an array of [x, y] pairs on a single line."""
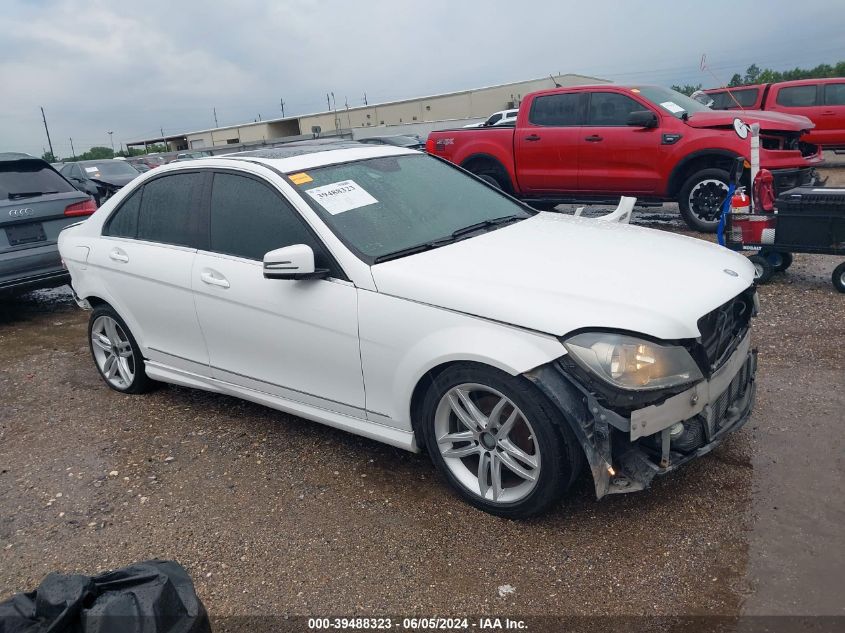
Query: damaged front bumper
{"points": [[626, 452]]}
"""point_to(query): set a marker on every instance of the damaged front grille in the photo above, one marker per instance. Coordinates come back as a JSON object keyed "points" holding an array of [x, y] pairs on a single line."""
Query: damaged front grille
{"points": [[723, 328]]}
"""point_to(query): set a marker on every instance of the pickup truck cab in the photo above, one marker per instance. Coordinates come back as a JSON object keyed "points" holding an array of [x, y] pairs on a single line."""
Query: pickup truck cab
{"points": [[600, 142], [820, 100]]}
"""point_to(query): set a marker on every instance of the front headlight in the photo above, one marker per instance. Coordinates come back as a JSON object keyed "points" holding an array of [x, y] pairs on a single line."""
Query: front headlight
{"points": [[628, 362]]}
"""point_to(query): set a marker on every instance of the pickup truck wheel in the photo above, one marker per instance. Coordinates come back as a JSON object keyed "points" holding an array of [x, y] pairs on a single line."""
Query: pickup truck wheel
{"points": [[497, 441], [838, 277], [490, 180], [701, 198], [763, 270]]}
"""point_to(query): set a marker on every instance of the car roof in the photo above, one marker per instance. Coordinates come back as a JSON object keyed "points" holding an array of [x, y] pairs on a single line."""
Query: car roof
{"points": [[309, 154], [10, 156], [96, 160]]}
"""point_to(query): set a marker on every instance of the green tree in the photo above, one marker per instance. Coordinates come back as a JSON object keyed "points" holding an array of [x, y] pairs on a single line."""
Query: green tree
{"points": [[687, 89], [97, 153], [49, 157], [751, 74], [755, 75]]}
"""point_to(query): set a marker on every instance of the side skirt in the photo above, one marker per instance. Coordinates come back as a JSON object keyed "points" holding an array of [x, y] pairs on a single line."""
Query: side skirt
{"points": [[358, 426]]}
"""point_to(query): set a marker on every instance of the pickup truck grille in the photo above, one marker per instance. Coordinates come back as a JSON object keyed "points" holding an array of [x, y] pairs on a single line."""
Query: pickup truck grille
{"points": [[723, 328]]}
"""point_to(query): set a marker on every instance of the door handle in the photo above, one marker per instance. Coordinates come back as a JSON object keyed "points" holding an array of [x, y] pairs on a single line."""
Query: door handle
{"points": [[119, 256], [212, 280], [532, 137], [828, 113], [594, 138]]}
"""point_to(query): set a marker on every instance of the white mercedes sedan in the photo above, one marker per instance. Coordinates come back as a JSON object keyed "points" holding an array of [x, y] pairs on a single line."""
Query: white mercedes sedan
{"points": [[388, 293]]}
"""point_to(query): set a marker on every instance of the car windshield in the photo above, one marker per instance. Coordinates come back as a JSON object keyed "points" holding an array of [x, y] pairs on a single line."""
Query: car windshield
{"points": [[108, 168], [381, 207], [671, 101]]}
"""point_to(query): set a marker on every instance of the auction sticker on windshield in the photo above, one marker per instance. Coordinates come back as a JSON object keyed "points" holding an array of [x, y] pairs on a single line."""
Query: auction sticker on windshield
{"points": [[673, 107], [341, 196]]}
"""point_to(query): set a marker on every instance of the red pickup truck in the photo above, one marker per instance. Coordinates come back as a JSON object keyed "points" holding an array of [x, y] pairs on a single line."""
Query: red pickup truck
{"points": [[599, 142], [820, 100]]}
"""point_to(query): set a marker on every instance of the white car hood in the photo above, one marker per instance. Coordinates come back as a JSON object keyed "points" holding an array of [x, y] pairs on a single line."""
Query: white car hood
{"points": [[555, 273]]}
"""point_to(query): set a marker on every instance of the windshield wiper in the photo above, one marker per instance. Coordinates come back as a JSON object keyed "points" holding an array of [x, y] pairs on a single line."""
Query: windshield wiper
{"points": [[472, 228], [427, 246], [28, 194], [413, 250]]}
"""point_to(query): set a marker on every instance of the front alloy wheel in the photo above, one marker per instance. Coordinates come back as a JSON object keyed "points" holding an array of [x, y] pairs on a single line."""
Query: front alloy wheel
{"points": [[497, 440], [487, 443]]}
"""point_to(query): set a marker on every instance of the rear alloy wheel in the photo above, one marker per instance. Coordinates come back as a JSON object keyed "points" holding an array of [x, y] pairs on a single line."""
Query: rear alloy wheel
{"points": [[763, 269], [701, 197], [489, 435], [838, 277], [115, 352]]}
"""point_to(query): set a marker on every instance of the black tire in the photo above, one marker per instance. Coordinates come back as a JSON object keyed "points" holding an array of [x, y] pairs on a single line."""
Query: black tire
{"points": [[490, 180], [838, 277], [763, 269], [561, 457], [780, 261], [698, 199], [491, 173], [140, 382]]}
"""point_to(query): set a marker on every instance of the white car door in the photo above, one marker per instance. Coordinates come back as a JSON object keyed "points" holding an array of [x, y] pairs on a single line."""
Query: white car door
{"points": [[145, 256], [293, 339]]}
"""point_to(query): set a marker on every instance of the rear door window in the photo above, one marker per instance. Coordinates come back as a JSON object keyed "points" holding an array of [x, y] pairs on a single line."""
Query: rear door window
{"points": [[21, 179], [798, 96], [611, 109], [167, 212], [561, 110], [124, 221], [834, 94]]}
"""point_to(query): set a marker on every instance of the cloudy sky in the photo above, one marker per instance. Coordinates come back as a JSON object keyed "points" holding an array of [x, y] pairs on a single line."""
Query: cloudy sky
{"points": [[136, 67]]}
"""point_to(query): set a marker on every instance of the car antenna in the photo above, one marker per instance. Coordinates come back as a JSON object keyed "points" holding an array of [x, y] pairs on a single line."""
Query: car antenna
{"points": [[554, 81]]}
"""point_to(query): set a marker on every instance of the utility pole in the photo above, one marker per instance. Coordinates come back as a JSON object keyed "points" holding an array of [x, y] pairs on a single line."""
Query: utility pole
{"points": [[282, 105], [72, 151], [348, 116], [164, 140], [215, 118], [46, 129], [259, 117], [111, 140], [328, 102], [336, 121], [365, 99]]}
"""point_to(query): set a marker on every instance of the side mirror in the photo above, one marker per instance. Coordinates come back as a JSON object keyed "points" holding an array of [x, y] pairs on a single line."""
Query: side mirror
{"points": [[642, 118], [292, 262]]}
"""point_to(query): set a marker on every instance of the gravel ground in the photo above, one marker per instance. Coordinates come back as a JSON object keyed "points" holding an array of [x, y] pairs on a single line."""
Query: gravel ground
{"points": [[273, 514]]}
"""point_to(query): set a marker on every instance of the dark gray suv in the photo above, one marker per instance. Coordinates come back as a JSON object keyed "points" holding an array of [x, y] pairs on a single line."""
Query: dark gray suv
{"points": [[36, 202]]}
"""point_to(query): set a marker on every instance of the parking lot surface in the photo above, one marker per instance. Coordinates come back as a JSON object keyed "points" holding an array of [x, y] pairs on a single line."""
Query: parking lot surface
{"points": [[273, 514]]}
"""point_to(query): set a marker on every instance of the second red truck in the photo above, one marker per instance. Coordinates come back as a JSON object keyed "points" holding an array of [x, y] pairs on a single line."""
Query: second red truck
{"points": [[596, 143]]}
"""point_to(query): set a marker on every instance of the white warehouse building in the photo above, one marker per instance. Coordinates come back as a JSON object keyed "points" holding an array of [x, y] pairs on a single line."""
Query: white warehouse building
{"points": [[409, 116]]}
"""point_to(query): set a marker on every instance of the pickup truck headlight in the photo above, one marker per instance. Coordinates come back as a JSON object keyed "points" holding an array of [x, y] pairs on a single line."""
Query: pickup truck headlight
{"points": [[632, 363]]}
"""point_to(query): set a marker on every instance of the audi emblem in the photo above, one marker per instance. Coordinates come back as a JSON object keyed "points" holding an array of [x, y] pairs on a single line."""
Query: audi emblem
{"points": [[20, 213]]}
